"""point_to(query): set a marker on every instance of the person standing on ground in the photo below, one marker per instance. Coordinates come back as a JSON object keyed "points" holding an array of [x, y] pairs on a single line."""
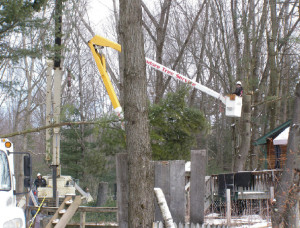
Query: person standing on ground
{"points": [[40, 181]]}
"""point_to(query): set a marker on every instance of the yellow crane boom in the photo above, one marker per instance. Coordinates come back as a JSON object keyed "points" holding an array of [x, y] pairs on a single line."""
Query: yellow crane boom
{"points": [[99, 42]]}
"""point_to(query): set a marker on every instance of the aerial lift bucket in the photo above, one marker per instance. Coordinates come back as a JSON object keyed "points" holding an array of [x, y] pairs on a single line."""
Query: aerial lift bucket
{"points": [[233, 105]]}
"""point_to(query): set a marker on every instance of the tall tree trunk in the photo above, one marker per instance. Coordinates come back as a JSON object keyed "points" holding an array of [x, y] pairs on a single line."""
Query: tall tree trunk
{"points": [[238, 59], [287, 191], [201, 56], [140, 167], [241, 157], [81, 104], [161, 30], [121, 60], [274, 76], [285, 69], [256, 84]]}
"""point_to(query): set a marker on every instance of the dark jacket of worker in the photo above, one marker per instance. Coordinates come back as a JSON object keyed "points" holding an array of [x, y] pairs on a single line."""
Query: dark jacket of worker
{"points": [[40, 182], [239, 91]]}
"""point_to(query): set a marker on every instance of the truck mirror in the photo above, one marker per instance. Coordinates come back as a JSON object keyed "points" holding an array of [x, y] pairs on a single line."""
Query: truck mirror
{"points": [[27, 182], [27, 166]]}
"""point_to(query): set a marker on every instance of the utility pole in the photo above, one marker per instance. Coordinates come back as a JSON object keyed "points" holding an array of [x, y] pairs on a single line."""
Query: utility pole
{"points": [[49, 108], [57, 95]]}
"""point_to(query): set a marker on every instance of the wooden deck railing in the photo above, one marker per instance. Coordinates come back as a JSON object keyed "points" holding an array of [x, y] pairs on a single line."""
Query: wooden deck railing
{"points": [[83, 210], [262, 182]]}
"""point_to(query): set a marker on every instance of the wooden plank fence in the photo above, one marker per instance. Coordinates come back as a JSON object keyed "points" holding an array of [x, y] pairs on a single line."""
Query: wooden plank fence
{"points": [[180, 225]]}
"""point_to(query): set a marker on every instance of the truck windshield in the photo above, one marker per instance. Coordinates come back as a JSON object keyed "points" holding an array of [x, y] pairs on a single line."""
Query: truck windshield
{"points": [[5, 184]]}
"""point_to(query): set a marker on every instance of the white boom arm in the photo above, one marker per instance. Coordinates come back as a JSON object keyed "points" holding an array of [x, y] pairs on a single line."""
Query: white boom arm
{"points": [[184, 79]]}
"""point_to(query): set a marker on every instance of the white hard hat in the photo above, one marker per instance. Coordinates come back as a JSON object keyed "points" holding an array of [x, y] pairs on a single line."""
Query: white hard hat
{"points": [[238, 83], [39, 174]]}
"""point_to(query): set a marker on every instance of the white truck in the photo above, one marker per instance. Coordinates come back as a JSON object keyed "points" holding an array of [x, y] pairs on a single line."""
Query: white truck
{"points": [[11, 216]]}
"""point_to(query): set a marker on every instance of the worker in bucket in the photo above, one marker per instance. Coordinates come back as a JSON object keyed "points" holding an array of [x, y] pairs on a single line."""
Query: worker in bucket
{"points": [[239, 89], [40, 181]]}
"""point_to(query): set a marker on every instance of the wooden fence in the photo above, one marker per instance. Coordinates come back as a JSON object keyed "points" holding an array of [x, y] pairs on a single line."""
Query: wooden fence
{"points": [[83, 211], [170, 177]]}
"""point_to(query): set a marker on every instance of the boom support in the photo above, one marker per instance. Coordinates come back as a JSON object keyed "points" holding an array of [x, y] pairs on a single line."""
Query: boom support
{"points": [[98, 42], [232, 102]]}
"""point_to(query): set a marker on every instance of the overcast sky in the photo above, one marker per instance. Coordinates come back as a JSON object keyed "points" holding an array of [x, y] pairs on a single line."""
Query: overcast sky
{"points": [[99, 11]]}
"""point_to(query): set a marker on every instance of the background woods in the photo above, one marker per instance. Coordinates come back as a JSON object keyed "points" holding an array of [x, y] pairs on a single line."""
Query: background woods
{"points": [[215, 43]]}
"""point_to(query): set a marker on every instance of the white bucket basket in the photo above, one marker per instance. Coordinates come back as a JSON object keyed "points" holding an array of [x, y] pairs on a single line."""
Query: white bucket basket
{"points": [[233, 105]]}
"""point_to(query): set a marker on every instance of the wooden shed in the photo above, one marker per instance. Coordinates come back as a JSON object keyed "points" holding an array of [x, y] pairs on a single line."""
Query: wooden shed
{"points": [[275, 155]]}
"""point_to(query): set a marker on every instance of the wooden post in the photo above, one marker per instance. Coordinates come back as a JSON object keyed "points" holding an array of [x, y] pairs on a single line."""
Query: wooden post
{"points": [[271, 194], [228, 208], [177, 191], [162, 181], [271, 199], [170, 178], [198, 171], [57, 199], [297, 211], [122, 189], [102, 194], [267, 210], [82, 219]]}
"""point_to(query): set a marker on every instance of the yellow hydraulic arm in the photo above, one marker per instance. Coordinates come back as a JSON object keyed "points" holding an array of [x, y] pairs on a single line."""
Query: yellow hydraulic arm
{"points": [[100, 42]]}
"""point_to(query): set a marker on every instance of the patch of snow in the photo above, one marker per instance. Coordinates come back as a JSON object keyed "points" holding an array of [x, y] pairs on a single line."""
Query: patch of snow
{"points": [[188, 166], [245, 193], [246, 221], [212, 215]]}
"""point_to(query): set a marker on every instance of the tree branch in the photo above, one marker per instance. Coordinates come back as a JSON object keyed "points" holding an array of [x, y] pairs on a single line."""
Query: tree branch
{"points": [[269, 101], [54, 126], [285, 39], [150, 15], [184, 44], [149, 31]]}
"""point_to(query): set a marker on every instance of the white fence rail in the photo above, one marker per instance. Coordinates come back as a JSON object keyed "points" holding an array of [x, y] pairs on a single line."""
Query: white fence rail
{"points": [[180, 225]]}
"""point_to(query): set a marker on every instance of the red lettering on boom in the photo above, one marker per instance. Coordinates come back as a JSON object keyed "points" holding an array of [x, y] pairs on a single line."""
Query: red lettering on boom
{"points": [[188, 81], [152, 64], [167, 71], [178, 76]]}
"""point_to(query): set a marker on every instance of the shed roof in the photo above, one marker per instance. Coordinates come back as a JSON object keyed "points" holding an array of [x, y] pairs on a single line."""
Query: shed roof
{"points": [[272, 134]]}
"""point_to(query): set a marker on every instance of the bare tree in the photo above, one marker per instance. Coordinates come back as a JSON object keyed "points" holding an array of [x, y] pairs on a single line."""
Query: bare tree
{"points": [[27, 103], [161, 35], [287, 191], [141, 174]]}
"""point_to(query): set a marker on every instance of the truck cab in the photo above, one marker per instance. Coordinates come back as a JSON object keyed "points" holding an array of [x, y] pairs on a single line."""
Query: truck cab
{"points": [[11, 215]]}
